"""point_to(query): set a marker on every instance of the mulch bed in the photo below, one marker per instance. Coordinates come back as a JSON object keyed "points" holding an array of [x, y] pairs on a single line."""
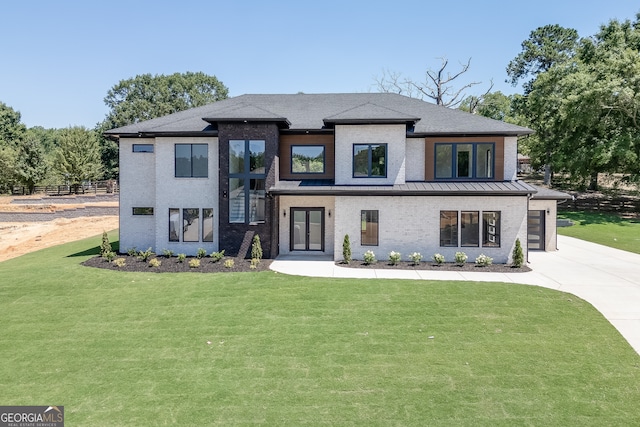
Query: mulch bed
{"points": [[171, 265], [448, 266]]}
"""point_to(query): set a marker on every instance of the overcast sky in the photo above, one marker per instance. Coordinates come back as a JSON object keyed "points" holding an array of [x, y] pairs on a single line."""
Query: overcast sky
{"points": [[61, 57]]}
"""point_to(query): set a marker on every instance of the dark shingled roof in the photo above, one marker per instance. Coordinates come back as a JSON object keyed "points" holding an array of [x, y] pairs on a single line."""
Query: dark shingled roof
{"points": [[321, 111]]}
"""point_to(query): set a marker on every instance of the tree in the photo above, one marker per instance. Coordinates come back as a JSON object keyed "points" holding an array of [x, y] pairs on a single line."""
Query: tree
{"points": [[146, 96], [545, 47], [11, 129], [78, 155], [7, 169], [494, 105], [437, 85], [31, 163]]}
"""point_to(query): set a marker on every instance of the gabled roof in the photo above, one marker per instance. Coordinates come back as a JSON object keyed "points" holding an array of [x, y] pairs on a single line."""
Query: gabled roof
{"points": [[318, 112]]}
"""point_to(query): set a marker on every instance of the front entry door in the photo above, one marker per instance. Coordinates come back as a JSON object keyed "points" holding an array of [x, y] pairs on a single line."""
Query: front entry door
{"points": [[536, 230], [307, 229]]}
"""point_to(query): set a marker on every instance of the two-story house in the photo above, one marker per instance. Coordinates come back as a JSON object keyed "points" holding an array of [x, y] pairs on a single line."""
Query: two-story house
{"points": [[302, 171]]}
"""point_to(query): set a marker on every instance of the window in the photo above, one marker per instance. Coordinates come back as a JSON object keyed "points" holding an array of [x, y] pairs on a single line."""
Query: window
{"points": [[143, 148], [192, 161], [143, 211], [307, 159], [448, 228], [469, 229], [369, 160], [190, 224], [207, 225], [188, 228], [491, 229], [468, 161], [369, 228], [174, 225], [247, 176]]}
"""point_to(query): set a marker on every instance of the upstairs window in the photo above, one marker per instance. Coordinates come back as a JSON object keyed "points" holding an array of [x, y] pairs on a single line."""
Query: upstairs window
{"points": [[307, 159], [370, 160], [192, 160], [247, 176], [142, 148], [464, 161]]}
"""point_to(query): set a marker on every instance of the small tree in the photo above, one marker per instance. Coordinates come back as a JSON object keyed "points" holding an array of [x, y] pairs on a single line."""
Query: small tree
{"points": [[518, 255], [105, 247], [256, 248], [346, 249]]}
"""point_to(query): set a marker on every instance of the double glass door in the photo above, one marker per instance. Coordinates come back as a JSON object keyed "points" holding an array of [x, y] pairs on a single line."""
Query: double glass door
{"points": [[307, 229]]}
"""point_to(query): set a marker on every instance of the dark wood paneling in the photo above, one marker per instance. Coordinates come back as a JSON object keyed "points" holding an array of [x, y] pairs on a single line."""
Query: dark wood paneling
{"points": [[286, 141]]}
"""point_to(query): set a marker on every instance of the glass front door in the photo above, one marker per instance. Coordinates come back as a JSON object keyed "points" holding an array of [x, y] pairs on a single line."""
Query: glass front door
{"points": [[307, 229], [536, 230]]}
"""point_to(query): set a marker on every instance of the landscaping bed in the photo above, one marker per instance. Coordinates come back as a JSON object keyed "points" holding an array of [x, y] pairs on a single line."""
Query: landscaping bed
{"points": [[171, 265], [447, 266]]}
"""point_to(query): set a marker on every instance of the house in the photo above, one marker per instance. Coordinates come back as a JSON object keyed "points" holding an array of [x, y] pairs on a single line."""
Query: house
{"points": [[304, 170]]}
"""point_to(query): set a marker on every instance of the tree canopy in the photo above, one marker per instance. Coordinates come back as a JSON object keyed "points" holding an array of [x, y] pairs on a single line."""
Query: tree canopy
{"points": [[78, 155]]}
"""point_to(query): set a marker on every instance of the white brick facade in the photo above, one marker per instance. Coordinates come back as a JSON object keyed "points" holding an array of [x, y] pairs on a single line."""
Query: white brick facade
{"points": [[411, 224]]}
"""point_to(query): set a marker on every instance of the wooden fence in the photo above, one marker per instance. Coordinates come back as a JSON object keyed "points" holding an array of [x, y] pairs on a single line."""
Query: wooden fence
{"points": [[94, 187], [627, 206]]}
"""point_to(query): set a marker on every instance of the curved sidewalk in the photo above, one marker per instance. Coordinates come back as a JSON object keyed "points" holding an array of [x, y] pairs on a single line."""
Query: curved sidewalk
{"points": [[607, 278]]}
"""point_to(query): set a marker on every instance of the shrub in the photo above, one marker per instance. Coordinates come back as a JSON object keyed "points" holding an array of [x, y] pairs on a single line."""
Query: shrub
{"points": [[109, 256], [369, 257], [394, 257], [181, 258], [155, 262], [254, 263], [460, 258], [438, 259], [256, 248], [518, 255], [201, 253], [415, 257], [194, 263], [132, 251], [145, 255], [217, 256], [120, 262], [346, 250], [105, 247], [483, 260], [230, 263], [168, 253]]}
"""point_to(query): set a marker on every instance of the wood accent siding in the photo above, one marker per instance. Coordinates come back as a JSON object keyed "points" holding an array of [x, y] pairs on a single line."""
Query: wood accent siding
{"points": [[286, 141], [429, 171]]}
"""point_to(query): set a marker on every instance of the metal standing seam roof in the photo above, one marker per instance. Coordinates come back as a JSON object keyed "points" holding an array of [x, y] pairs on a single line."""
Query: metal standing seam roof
{"points": [[300, 112], [324, 187]]}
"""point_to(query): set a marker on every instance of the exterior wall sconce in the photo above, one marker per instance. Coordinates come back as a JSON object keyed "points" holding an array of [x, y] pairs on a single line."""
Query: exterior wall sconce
{"points": [[548, 211], [329, 213], [284, 213]]}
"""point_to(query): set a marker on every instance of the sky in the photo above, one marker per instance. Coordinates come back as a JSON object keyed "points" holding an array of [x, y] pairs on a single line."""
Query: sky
{"points": [[59, 59]]}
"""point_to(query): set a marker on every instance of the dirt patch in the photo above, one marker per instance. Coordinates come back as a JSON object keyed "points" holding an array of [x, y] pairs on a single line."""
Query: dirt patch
{"points": [[19, 238]]}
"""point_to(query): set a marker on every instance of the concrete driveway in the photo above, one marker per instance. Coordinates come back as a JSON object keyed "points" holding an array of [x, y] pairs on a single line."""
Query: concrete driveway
{"points": [[607, 278]]}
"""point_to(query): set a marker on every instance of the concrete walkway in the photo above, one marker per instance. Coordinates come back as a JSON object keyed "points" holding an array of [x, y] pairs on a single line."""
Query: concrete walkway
{"points": [[607, 278]]}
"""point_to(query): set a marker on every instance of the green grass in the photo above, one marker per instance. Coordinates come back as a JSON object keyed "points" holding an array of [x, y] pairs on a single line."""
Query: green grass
{"points": [[605, 229], [130, 349]]}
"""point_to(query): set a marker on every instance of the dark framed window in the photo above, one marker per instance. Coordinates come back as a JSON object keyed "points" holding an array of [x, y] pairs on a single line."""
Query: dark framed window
{"points": [[449, 228], [190, 224], [247, 176], [369, 230], [207, 225], [174, 225], [469, 228], [143, 211], [191, 160], [369, 160], [307, 159], [491, 229], [142, 148], [464, 160]]}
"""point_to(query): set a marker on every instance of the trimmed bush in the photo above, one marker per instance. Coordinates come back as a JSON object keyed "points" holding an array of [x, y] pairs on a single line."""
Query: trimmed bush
{"points": [[230, 263], [438, 259], [155, 262], [394, 257], [483, 260], [415, 258], [201, 253], [194, 263], [217, 256], [105, 247], [256, 248], [145, 255], [460, 258], [346, 250], [181, 258], [518, 255], [369, 257]]}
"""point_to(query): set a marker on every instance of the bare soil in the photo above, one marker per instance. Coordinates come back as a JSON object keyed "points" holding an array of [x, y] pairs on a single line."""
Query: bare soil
{"points": [[19, 238]]}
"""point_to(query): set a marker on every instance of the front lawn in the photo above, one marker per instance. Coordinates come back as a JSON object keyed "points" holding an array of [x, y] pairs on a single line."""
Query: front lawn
{"points": [[603, 228], [135, 349]]}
